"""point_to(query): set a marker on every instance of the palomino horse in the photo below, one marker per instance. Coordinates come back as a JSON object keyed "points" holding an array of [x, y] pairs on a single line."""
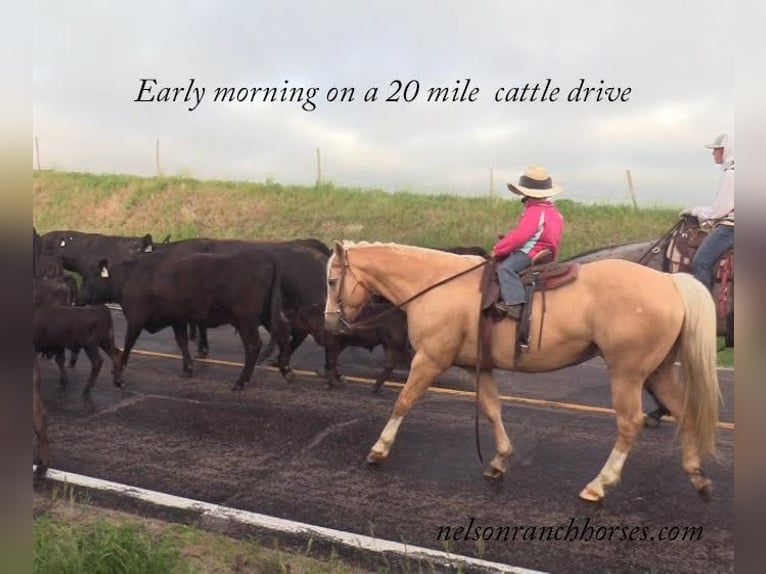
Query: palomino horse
{"points": [[639, 320]]}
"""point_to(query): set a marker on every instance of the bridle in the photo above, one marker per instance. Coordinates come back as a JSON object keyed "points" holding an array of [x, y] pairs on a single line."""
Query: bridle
{"points": [[345, 266]]}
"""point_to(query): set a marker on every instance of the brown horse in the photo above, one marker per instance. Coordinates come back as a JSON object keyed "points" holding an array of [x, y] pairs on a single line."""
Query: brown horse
{"points": [[639, 320]]}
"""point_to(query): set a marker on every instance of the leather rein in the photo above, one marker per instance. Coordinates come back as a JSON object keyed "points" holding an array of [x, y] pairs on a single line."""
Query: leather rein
{"points": [[372, 321]]}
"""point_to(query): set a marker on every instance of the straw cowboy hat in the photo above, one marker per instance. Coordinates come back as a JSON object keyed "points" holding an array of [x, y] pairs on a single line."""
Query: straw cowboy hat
{"points": [[535, 182]]}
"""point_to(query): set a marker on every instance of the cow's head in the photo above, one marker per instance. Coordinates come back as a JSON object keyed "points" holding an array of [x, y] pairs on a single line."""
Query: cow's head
{"points": [[97, 285]]}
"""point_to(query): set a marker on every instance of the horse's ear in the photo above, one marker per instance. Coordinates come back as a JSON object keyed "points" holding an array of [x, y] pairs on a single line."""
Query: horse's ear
{"points": [[337, 247]]}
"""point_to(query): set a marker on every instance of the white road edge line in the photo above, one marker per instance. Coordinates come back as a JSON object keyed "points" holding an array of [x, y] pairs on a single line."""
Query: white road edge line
{"points": [[355, 541]]}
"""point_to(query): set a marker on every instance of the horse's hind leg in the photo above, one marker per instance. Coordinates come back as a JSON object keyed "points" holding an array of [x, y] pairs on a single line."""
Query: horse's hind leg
{"points": [[423, 372], [626, 397], [489, 401], [664, 382]]}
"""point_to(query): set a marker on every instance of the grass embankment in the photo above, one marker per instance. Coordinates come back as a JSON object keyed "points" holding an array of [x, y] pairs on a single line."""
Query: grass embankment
{"points": [[129, 205], [74, 538]]}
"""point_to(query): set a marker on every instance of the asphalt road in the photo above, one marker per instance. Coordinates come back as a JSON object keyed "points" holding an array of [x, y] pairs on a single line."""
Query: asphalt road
{"points": [[296, 450]]}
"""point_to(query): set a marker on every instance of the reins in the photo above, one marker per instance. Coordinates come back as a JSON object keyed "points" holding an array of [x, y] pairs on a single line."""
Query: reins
{"points": [[643, 260], [372, 321]]}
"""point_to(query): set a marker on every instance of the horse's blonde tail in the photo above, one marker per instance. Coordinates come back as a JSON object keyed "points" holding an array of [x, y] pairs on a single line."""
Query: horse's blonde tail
{"points": [[697, 354]]}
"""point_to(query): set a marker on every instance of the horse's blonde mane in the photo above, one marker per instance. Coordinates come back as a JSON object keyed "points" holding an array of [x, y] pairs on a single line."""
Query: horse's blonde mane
{"points": [[348, 244]]}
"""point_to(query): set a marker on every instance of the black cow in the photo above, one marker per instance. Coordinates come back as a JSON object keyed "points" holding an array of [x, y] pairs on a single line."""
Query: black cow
{"points": [[80, 252], [55, 291], [164, 289], [49, 266], [57, 328], [302, 263], [37, 251], [39, 421], [390, 331]]}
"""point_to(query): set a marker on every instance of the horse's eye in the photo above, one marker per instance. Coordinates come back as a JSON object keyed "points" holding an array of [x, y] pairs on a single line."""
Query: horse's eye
{"points": [[332, 282]]}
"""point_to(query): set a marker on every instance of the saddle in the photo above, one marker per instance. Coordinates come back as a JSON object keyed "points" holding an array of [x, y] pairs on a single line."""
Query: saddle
{"points": [[543, 275], [680, 251]]}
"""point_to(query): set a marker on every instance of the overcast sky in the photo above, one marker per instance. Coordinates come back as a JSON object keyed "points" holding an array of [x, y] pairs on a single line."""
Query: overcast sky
{"points": [[675, 56]]}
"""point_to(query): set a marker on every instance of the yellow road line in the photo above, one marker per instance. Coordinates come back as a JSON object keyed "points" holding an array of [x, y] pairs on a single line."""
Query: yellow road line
{"points": [[440, 390]]}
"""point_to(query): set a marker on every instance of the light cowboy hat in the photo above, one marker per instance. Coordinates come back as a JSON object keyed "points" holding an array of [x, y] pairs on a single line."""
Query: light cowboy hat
{"points": [[535, 182], [719, 141]]}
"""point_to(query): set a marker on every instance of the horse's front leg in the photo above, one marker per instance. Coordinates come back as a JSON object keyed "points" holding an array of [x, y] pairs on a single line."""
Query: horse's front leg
{"points": [[423, 373]]}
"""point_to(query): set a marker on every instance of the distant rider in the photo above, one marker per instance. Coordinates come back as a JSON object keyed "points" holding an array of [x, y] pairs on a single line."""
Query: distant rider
{"points": [[720, 216]]}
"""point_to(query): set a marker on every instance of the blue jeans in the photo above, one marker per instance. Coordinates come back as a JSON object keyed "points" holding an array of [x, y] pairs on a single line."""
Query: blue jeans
{"points": [[720, 240], [511, 287]]}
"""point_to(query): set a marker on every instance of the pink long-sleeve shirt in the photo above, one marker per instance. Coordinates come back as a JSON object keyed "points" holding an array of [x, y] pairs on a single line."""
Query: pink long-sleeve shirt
{"points": [[540, 227]]}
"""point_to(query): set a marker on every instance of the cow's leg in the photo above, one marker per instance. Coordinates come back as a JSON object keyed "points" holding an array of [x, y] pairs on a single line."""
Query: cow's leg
{"points": [[131, 335], [192, 331], [73, 354], [332, 352], [39, 423], [251, 341], [182, 340], [60, 359], [287, 347], [116, 356], [202, 346], [388, 367], [288, 342], [95, 367]]}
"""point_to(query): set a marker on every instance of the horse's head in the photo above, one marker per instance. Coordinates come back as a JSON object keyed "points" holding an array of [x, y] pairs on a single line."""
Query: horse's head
{"points": [[346, 292]]}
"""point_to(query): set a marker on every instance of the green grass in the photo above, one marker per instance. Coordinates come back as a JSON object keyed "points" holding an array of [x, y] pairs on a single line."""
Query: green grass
{"points": [[71, 536], [103, 548], [186, 207]]}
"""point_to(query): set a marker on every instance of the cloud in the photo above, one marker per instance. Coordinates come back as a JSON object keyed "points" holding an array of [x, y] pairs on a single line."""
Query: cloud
{"points": [[674, 59]]}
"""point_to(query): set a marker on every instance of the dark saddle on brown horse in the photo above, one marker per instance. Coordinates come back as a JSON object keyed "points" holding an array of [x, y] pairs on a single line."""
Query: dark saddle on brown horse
{"points": [[683, 244], [543, 275]]}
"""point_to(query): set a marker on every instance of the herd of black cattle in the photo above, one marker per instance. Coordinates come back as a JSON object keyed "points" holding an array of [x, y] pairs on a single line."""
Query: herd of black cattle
{"points": [[191, 285]]}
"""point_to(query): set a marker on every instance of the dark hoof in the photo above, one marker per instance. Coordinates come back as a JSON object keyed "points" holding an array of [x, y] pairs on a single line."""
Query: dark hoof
{"points": [[201, 354], [651, 422], [186, 374], [41, 470], [706, 493], [288, 374], [493, 473], [86, 391], [654, 418]]}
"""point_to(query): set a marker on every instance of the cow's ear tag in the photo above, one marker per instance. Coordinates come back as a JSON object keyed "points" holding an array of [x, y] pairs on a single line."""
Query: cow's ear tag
{"points": [[62, 243], [104, 272], [148, 249]]}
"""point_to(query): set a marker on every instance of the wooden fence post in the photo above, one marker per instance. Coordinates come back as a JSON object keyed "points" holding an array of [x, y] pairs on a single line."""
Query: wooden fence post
{"points": [[630, 188]]}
